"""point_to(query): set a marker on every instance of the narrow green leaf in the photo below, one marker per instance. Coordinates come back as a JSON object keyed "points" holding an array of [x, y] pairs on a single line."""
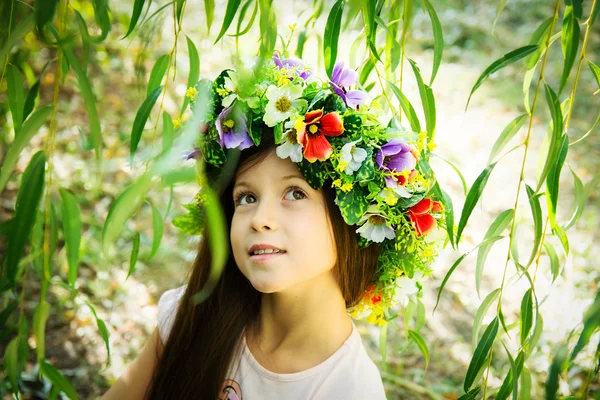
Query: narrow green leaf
{"points": [[383, 343], [481, 354], [209, 7], [331, 35], [594, 126], [5, 314], [558, 231], [495, 229], [554, 265], [158, 73], [480, 314], [140, 120], [511, 382], [395, 49], [16, 35], [103, 332], [473, 197], [71, 219], [594, 12], [408, 109], [167, 139], [16, 96], [507, 134], [268, 29], [579, 202], [525, 391], [427, 100], [556, 134], [596, 72], [553, 180], [89, 99], [29, 128], [11, 362], [537, 332], [421, 345], [499, 10], [33, 93], [369, 13], [27, 204], [102, 18], [500, 63], [40, 316], [526, 315], [121, 209], [559, 363], [138, 6], [456, 169], [232, 7], [158, 228], [194, 70], [536, 211], [135, 251], [44, 12], [438, 39], [570, 44], [457, 262], [57, 379], [179, 10]]}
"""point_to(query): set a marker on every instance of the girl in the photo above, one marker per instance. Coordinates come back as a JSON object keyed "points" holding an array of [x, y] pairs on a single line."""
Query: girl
{"points": [[276, 326]]}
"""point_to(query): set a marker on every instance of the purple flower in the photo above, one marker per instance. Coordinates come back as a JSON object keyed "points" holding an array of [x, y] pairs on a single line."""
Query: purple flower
{"points": [[396, 156], [341, 79], [232, 128], [294, 64], [195, 154]]}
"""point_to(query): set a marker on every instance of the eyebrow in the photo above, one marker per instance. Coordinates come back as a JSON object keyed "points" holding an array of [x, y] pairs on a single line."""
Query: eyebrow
{"points": [[285, 178]]}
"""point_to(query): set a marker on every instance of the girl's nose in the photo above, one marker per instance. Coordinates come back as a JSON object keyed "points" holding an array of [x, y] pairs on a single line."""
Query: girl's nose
{"points": [[265, 216]]}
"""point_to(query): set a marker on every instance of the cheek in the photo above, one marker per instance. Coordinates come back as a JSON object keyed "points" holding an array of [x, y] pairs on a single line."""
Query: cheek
{"points": [[316, 242]]}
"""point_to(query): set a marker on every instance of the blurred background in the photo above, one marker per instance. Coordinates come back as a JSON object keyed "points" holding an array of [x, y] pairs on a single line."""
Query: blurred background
{"points": [[119, 69]]}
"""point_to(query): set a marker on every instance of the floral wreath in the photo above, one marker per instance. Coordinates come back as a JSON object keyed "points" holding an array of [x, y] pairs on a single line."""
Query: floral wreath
{"points": [[382, 182]]}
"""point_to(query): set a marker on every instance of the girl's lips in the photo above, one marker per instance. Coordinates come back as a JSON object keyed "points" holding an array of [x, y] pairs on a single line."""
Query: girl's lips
{"points": [[262, 258]]}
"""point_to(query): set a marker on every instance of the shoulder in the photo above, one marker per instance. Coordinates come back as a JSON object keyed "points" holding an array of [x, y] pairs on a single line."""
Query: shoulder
{"points": [[167, 308]]}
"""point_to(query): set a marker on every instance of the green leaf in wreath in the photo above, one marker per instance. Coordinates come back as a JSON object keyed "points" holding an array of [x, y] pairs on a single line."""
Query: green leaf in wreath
{"points": [[353, 204], [314, 173], [212, 151], [366, 172], [191, 223]]}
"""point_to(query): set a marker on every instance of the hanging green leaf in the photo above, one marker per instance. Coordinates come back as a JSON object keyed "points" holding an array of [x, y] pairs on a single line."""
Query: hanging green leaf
{"points": [[268, 29], [427, 100], [559, 232], [16, 96], [500, 63], [16, 35], [232, 7], [473, 197], [40, 316], [438, 39], [44, 13], [138, 6], [408, 109], [102, 18], [481, 354], [552, 183], [556, 134], [369, 13], [456, 169], [596, 72], [71, 219], [140, 120], [194, 70], [57, 379], [179, 4], [526, 315], [499, 10], [331, 35], [135, 251], [103, 332], [507, 134], [579, 202], [480, 314], [554, 265], [209, 7], [33, 93], [570, 44], [536, 211], [167, 138], [559, 364], [158, 73], [26, 207], [30, 127], [421, 345], [495, 229], [158, 228]]}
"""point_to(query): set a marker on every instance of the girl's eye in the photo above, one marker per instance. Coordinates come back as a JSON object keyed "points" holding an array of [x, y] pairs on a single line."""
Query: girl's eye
{"points": [[292, 189]]}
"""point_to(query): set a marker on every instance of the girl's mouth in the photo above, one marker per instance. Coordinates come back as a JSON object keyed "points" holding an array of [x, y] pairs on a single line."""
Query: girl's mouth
{"points": [[261, 258]]}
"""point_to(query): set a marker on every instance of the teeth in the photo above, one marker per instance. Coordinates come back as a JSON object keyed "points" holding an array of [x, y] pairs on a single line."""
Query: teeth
{"points": [[267, 251]]}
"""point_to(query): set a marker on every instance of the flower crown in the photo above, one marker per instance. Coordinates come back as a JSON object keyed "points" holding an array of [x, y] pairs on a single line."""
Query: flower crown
{"points": [[331, 133]]}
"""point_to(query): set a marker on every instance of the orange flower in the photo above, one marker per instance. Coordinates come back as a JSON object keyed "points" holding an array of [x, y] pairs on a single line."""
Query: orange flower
{"points": [[419, 215], [312, 135]]}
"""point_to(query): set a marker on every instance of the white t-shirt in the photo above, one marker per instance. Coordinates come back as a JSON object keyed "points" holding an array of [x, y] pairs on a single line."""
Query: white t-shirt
{"points": [[348, 374]]}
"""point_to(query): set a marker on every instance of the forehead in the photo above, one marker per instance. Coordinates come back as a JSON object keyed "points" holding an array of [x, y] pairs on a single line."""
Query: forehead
{"points": [[270, 169]]}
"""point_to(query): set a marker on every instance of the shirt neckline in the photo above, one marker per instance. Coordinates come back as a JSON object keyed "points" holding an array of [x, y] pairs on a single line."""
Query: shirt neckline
{"points": [[344, 348]]}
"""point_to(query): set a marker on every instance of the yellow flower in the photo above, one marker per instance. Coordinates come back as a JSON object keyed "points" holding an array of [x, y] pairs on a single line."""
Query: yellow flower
{"points": [[431, 146], [223, 92], [342, 165], [346, 187], [177, 123], [390, 198], [422, 136], [336, 183], [191, 93], [376, 317], [292, 27]]}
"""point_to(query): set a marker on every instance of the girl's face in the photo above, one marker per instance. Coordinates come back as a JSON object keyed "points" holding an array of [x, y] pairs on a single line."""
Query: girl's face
{"points": [[274, 205]]}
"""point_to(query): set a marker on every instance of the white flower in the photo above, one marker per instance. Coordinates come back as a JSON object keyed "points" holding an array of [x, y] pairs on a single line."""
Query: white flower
{"points": [[283, 102], [374, 227], [406, 287], [353, 156], [290, 147]]}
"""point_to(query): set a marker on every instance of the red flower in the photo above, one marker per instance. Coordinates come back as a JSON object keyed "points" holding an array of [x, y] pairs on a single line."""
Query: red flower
{"points": [[376, 299], [312, 134], [419, 215]]}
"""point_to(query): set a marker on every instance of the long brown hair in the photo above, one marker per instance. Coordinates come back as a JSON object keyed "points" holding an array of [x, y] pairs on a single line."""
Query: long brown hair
{"points": [[205, 338]]}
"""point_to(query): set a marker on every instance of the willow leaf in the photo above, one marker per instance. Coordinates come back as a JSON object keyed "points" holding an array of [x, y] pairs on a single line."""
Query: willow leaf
{"points": [[230, 11], [507, 134], [332, 35], [495, 229], [71, 220], [570, 44], [138, 6], [536, 211], [554, 265], [16, 96], [427, 101], [140, 119], [438, 39], [481, 354], [480, 314], [158, 73]]}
